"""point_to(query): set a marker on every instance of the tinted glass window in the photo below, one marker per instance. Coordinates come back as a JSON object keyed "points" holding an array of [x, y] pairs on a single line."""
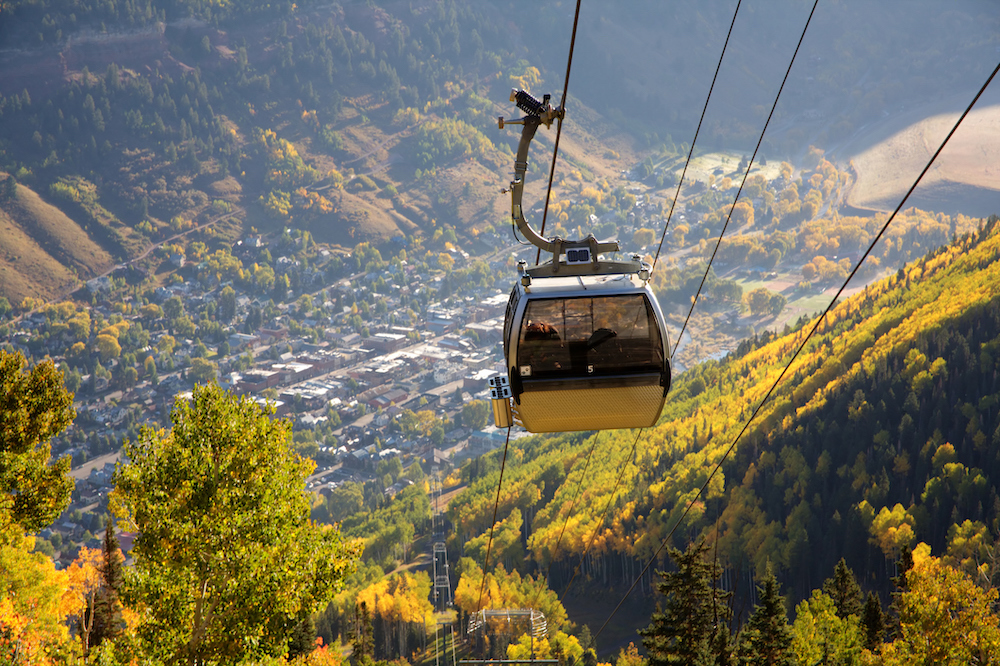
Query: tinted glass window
{"points": [[589, 336]]}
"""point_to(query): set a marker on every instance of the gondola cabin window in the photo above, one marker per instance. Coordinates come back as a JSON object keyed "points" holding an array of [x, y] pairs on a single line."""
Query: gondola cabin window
{"points": [[582, 337]]}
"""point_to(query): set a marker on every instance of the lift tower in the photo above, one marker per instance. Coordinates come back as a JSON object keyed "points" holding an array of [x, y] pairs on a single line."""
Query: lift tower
{"points": [[442, 580]]}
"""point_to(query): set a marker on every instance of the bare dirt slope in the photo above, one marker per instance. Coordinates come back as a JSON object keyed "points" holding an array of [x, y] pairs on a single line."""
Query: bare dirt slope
{"points": [[43, 253], [965, 178]]}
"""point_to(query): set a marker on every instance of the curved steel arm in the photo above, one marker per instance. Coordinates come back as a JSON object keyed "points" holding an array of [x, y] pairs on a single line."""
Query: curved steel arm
{"points": [[531, 124], [538, 113]]}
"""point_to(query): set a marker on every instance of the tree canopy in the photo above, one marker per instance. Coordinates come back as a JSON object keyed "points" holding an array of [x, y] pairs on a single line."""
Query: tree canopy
{"points": [[226, 558], [34, 407], [681, 631]]}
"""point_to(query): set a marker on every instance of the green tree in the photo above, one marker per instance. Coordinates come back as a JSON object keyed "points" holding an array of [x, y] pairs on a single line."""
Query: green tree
{"points": [[873, 623], [776, 304], [475, 413], [226, 559], [183, 326], [766, 638], [820, 636], [166, 344], [107, 610], [363, 640], [34, 408], [281, 287], [227, 303], [203, 371], [760, 301], [149, 366], [173, 307], [682, 630], [346, 500], [844, 590]]}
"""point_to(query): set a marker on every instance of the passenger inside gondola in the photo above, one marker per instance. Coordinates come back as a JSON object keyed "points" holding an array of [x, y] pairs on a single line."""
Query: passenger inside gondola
{"points": [[580, 337], [539, 330]]}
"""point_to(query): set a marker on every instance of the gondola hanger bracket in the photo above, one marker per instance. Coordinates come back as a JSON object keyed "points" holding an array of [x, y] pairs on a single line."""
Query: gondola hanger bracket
{"points": [[569, 257]]}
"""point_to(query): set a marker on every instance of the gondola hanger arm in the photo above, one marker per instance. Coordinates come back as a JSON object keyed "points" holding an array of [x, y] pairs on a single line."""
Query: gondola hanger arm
{"points": [[569, 257]]}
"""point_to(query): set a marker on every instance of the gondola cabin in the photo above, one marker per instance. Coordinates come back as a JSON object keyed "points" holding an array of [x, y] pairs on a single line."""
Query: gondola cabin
{"points": [[584, 338], [585, 352]]}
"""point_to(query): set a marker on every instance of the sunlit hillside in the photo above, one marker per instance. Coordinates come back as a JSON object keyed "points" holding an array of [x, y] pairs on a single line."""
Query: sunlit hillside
{"points": [[891, 404], [368, 121]]}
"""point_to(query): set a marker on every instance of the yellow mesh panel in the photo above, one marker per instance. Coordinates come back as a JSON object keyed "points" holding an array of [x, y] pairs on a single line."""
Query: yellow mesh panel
{"points": [[590, 408]]}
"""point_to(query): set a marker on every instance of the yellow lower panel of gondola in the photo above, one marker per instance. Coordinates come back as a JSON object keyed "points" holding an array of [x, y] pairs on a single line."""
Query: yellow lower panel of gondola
{"points": [[604, 408]]}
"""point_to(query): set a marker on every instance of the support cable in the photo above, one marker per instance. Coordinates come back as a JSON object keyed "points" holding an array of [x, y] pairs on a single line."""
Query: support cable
{"points": [[538, 256], [680, 182], [725, 226], [801, 346], [559, 122], [489, 544]]}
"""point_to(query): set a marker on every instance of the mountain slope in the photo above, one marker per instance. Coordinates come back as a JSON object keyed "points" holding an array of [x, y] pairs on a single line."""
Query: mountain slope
{"points": [[391, 107], [895, 400], [964, 176], [42, 251]]}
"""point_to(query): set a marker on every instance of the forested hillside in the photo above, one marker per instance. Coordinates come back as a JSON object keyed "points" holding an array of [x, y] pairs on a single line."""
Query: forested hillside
{"points": [[303, 176], [885, 433], [367, 121], [346, 121]]}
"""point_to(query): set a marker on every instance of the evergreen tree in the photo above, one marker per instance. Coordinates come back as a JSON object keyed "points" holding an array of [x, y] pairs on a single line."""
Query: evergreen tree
{"points": [[844, 590], [873, 623], [302, 638], [683, 630], [766, 639], [719, 651], [905, 563], [363, 635], [108, 622], [9, 189]]}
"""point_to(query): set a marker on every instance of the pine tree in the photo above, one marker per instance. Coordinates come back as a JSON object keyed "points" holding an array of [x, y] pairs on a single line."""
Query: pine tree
{"points": [[873, 623], [844, 590], [363, 635], [589, 647], [766, 639], [905, 563], [302, 638], [108, 623], [719, 652], [682, 630]]}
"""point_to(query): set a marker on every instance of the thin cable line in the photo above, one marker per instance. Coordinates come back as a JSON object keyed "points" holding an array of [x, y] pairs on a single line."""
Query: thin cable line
{"points": [[569, 514], [805, 340], [695, 139], [725, 226], [489, 544], [600, 523], [513, 230], [559, 122]]}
